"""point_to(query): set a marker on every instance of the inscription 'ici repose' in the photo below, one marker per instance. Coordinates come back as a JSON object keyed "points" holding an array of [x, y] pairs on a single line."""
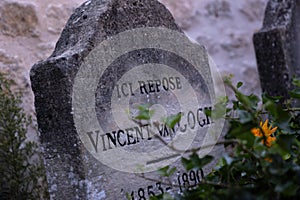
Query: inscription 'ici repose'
{"points": [[192, 120], [149, 86]]}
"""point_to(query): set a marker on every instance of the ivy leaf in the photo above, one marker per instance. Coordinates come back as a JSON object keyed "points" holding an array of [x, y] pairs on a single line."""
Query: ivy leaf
{"points": [[172, 120], [201, 162], [166, 171], [195, 162], [296, 82], [219, 110], [241, 132], [249, 102], [188, 164], [172, 171], [295, 94], [244, 116], [279, 115], [144, 112], [163, 171]]}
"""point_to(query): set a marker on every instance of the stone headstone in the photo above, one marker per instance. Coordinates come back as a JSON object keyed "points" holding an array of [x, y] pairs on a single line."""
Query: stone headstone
{"points": [[277, 46], [113, 58]]}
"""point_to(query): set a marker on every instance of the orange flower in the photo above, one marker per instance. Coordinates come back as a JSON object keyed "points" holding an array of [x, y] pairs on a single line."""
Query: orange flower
{"points": [[267, 132], [269, 160]]}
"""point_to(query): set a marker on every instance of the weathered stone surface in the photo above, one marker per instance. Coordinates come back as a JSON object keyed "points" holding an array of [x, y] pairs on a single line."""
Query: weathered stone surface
{"points": [[17, 19], [52, 80], [296, 54], [277, 47]]}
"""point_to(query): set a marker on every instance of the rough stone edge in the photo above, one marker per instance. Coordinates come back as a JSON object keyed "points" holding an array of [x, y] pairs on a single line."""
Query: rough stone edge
{"points": [[274, 47]]}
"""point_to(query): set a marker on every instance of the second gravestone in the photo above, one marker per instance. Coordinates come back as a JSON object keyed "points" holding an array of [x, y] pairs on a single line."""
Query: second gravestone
{"points": [[277, 47], [116, 64]]}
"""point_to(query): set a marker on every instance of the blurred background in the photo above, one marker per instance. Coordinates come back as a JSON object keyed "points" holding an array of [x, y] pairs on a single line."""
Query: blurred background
{"points": [[29, 30]]}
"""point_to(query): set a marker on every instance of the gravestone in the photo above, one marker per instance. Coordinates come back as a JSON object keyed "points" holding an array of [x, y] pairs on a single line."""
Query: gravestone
{"points": [[116, 62], [277, 46]]}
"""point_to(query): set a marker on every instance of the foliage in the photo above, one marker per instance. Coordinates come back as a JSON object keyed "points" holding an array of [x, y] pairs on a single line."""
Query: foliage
{"points": [[21, 173], [262, 162]]}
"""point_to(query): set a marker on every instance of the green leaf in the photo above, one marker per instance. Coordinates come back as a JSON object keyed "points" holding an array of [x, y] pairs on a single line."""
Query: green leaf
{"points": [[247, 102], [244, 116], [144, 112], [172, 120], [163, 171], [143, 115], [296, 82], [219, 110], [221, 163], [278, 114], [236, 105], [128, 196], [240, 84], [267, 97], [172, 171], [195, 162], [167, 196], [166, 171], [241, 132], [243, 99], [295, 94], [188, 164], [199, 163]]}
